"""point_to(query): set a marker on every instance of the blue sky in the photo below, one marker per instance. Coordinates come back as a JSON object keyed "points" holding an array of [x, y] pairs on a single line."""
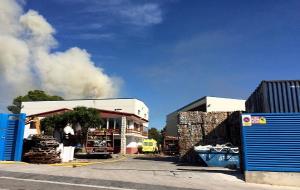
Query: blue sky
{"points": [[169, 53]]}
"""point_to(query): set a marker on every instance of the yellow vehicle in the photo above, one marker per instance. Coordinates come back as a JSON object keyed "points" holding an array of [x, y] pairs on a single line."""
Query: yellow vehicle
{"points": [[150, 146]]}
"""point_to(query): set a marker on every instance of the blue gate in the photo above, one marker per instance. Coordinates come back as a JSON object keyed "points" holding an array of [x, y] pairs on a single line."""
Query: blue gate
{"points": [[271, 142], [11, 136]]}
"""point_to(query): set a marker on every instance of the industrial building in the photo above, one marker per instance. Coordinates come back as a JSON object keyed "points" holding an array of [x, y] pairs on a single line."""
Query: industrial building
{"points": [[127, 118], [204, 104]]}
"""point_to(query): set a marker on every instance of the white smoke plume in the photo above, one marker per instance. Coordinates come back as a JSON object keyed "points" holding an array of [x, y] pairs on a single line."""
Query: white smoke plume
{"points": [[28, 60]]}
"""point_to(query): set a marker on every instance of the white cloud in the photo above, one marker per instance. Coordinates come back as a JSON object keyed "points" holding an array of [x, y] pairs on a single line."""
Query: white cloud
{"points": [[29, 61], [94, 36], [93, 26], [81, 27], [143, 15], [125, 11]]}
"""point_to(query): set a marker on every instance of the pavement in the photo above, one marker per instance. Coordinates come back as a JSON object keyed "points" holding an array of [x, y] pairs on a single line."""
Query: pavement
{"points": [[138, 172]]}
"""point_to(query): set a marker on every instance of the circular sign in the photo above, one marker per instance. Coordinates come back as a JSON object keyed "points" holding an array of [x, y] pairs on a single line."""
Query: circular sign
{"points": [[246, 119]]}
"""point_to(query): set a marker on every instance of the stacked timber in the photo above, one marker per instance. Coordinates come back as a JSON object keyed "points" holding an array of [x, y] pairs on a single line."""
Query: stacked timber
{"points": [[43, 150]]}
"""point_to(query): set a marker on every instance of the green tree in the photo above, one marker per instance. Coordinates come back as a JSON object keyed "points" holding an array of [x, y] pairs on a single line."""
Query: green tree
{"points": [[162, 135], [35, 95], [153, 133], [86, 117]]}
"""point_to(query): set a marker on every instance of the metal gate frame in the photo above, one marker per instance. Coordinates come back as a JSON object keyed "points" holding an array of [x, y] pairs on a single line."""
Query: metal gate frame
{"points": [[11, 136]]}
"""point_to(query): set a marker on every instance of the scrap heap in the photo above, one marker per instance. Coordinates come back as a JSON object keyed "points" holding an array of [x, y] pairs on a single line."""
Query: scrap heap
{"points": [[206, 128], [43, 150]]}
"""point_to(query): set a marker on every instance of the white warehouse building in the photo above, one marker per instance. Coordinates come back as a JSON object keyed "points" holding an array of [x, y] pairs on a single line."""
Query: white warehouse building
{"points": [[205, 104]]}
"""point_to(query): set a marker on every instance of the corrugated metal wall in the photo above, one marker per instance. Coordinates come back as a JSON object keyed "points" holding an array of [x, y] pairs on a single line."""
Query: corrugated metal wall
{"points": [[275, 97], [274, 145], [11, 136]]}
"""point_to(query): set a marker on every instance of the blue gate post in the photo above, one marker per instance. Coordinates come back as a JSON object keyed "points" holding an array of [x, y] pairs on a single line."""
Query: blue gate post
{"points": [[20, 137], [11, 136], [3, 128]]}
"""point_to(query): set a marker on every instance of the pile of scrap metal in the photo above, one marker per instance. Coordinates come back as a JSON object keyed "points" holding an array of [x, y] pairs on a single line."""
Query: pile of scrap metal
{"points": [[43, 150], [206, 128]]}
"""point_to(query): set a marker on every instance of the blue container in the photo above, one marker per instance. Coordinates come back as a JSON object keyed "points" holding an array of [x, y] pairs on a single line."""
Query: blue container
{"points": [[11, 136], [226, 159], [275, 97], [271, 142]]}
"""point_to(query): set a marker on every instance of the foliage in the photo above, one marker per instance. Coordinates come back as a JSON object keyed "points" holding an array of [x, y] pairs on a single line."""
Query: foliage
{"points": [[86, 117], [48, 124], [162, 135], [153, 133], [35, 95]]}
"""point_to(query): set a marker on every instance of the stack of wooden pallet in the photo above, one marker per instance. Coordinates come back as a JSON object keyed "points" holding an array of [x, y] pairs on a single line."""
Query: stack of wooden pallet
{"points": [[43, 150]]}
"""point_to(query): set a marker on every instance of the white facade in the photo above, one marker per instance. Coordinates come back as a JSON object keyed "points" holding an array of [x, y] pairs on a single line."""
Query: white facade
{"points": [[215, 104], [132, 106], [205, 104]]}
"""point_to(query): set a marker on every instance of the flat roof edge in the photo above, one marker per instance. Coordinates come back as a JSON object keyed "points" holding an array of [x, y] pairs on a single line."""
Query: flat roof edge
{"points": [[85, 99], [200, 99]]}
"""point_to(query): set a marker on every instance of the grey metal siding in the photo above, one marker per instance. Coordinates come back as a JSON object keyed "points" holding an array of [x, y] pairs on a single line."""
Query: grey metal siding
{"points": [[275, 97], [274, 146]]}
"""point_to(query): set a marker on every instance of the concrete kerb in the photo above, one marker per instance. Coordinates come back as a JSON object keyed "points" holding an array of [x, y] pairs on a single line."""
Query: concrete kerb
{"points": [[12, 162], [79, 163], [87, 163]]}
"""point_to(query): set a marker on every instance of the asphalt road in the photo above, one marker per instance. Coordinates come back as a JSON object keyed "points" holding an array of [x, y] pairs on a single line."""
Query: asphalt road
{"points": [[139, 172], [18, 181]]}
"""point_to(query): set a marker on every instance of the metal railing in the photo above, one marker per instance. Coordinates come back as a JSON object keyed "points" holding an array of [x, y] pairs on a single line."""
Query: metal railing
{"points": [[143, 133], [134, 131]]}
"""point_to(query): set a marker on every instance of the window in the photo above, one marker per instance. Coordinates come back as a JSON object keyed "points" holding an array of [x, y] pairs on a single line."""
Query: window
{"points": [[148, 144], [111, 123], [32, 125], [118, 123], [104, 120]]}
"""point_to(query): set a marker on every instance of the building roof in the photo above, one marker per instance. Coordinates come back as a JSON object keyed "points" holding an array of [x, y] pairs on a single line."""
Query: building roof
{"points": [[201, 99], [100, 110], [194, 102], [49, 112], [86, 99], [127, 105], [122, 113]]}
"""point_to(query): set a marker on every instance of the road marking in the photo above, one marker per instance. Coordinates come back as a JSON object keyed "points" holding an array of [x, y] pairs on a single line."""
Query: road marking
{"points": [[64, 183]]}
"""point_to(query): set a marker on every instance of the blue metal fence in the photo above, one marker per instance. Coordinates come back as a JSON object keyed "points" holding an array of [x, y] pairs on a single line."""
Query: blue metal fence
{"points": [[11, 136], [271, 141]]}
